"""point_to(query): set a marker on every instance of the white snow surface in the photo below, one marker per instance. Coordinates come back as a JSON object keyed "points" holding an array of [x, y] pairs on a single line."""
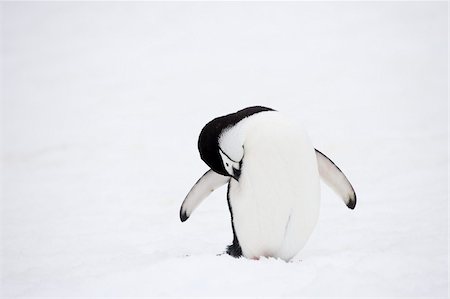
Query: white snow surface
{"points": [[102, 104]]}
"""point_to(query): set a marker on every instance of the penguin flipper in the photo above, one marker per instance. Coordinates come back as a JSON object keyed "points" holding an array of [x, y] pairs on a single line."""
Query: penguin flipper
{"points": [[209, 182], [336, 180]]}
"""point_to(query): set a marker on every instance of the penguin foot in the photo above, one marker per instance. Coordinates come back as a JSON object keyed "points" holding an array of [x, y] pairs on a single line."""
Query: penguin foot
{"points": [[234, 250]]}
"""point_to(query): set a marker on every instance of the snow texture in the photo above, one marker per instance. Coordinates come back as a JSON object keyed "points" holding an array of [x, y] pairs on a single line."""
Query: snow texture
{"points": [[102, 104]]}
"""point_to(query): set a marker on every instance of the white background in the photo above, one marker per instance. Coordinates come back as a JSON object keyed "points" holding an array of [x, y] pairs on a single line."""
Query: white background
{"points": [[102, 104]]}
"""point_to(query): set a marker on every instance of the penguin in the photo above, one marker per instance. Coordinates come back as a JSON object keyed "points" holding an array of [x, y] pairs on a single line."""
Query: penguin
{"points": [[273, 174]]}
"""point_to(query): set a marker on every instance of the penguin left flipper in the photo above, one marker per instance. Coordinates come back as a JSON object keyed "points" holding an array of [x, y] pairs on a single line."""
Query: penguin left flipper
{"points": [[336, 179], [209, 182]]}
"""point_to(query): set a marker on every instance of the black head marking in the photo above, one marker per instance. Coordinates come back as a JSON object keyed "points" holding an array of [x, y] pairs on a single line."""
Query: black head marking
{"points": [[208, 141]]}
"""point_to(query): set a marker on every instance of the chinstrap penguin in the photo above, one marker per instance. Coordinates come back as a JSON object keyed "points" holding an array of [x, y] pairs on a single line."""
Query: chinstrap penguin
{"points": [[273, 172]]}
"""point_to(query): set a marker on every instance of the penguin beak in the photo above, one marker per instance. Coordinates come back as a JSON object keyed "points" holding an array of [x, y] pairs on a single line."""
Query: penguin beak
{"points": [[236, 174]]}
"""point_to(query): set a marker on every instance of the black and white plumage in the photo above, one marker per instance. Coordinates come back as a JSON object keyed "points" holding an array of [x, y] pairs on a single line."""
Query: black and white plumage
{"points": [[272, 171]]}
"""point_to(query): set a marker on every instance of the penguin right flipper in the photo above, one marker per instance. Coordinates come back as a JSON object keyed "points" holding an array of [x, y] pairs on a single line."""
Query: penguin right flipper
{"points": [[209, 182], [336, 180]]}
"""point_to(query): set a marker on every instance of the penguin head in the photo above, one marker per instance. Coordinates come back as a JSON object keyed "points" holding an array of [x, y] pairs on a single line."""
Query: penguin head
{"points": [[221, 142], [232, 168]]}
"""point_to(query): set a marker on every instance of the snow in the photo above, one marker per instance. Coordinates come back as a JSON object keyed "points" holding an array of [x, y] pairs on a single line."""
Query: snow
{"points": [[102, 104]]}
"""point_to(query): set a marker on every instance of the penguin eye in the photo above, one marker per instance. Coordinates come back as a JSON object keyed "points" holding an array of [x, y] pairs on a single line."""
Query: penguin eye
{"points": [[227, 164]]}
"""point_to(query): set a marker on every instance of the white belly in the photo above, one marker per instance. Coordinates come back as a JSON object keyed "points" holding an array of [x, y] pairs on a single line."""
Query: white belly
{"points": [[275, 204]]}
